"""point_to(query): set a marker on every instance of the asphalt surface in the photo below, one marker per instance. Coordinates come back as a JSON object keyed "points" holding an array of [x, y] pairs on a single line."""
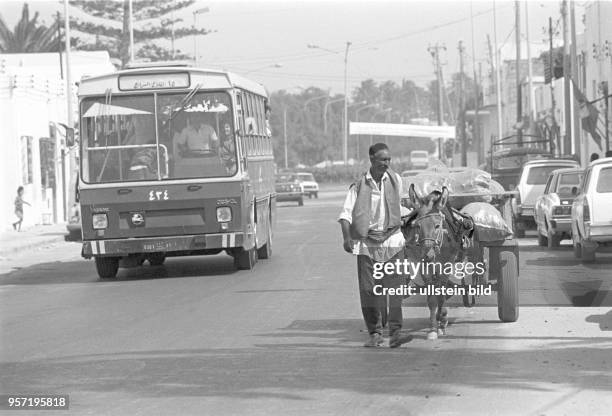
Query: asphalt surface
{"points": [[197, 337]]}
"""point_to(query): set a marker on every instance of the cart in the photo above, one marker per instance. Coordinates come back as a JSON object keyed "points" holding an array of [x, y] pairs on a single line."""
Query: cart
{"points": [[501, 257]]}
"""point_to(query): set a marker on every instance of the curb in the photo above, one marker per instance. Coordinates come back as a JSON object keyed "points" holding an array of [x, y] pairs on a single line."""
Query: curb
{"points": [[5, 252]]}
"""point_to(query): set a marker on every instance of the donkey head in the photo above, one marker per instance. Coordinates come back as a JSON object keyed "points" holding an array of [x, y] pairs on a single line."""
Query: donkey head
{"points": [[428, 225]]}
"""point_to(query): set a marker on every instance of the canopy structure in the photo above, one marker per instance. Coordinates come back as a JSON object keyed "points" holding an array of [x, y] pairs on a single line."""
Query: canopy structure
{"points": [[410, 130], [99, 110]]}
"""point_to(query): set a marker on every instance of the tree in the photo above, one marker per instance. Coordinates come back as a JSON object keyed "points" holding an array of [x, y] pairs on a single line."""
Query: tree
{"points": [[154, 21], [28, 36]]}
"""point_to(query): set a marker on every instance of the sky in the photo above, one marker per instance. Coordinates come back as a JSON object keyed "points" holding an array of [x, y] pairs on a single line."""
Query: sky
{"points": [[268, 40]]}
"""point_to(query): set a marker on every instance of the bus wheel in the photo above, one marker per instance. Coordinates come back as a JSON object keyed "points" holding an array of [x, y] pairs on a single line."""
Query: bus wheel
{"points": [[107, 267], [265, 252], [245, 259], [157, 259]]}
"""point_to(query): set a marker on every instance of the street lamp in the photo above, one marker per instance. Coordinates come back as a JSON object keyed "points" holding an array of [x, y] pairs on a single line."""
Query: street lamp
{"points": [[195, 42], [327, 104], [345, 130]]}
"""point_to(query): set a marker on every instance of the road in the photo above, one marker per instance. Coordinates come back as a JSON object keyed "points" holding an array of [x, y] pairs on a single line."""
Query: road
{"points": [[197, 337]]}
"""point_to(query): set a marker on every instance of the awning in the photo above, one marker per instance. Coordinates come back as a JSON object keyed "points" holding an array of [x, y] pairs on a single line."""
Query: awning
{"points": [[405, 130]]}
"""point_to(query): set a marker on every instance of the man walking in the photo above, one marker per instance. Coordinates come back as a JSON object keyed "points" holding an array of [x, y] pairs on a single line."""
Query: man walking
{"points": [[370, 222]]}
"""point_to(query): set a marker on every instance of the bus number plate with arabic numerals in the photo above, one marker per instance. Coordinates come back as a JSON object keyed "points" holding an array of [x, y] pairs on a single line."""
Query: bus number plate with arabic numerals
{"points": [[158, 195]]}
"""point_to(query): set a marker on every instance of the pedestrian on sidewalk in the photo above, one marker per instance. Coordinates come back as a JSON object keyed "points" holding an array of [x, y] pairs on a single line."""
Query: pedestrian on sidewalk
{"points": [[19, 201], [370, 221]]}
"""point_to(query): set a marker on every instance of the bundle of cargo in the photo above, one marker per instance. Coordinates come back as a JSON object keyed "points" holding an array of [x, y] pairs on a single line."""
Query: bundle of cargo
{"points": [[459, 184]]}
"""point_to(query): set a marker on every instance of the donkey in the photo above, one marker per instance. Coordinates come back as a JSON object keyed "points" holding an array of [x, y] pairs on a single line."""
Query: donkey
{"points": [[435, 236]]}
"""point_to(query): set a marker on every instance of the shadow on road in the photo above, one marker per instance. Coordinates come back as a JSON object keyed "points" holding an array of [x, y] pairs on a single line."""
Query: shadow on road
{"points": [[84, 271], [321, 360]]}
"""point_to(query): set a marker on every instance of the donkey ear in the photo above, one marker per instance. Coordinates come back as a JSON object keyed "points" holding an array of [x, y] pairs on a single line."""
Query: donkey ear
{"points": [[443, 198], [414, 199]]}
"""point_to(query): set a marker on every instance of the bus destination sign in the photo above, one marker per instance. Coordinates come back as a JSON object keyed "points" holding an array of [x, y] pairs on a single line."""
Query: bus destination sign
{"points": [[153, 81]]}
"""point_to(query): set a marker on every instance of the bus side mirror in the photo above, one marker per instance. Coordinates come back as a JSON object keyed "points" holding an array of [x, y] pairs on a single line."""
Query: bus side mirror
{"points": [[69, 134], [574, 190]]}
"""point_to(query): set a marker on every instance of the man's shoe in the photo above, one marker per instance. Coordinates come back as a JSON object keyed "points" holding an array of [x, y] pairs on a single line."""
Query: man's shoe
{"points": [[376, 340], [396, 339]]}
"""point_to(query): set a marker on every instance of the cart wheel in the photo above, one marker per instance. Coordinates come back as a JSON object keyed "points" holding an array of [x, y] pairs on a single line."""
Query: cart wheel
{"points": [[507, 288]]}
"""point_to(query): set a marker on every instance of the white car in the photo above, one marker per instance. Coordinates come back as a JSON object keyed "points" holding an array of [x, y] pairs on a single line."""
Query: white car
{"points": [[419, 159], [311, 187], [531, 185], [592, 211], [553, 209]]}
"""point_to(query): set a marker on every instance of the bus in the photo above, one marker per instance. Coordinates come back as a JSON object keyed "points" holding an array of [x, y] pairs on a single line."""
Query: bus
{"points": [[174, 161]]}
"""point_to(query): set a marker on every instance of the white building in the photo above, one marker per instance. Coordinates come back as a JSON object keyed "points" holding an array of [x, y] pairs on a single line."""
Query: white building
{"points": [[33, 97]]}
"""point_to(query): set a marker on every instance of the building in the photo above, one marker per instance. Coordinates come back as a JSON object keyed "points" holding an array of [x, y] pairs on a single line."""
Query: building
{"points": [[35, 153]]}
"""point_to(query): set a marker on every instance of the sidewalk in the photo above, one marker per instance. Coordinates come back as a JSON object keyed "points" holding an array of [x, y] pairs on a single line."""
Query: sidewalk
{"points": [[30, 238]]}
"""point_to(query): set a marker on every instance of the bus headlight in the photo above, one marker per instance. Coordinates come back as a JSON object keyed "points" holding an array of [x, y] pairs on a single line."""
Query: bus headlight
{"points": [[224, 214], [100, 221]]}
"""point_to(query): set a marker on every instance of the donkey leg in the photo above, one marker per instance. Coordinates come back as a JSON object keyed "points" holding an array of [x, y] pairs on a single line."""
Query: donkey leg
{"points": [[442, 316], [432, 303]]}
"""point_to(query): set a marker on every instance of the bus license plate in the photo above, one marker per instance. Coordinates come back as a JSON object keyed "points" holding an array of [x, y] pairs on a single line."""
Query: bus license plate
{"points": [[156, 246]]}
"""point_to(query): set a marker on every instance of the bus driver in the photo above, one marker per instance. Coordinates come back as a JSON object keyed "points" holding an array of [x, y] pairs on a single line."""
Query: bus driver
{"points": [[195, 139]]}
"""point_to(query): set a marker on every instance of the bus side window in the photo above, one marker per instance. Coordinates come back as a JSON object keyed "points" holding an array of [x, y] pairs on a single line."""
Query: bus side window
{"points": [[240, 112]]}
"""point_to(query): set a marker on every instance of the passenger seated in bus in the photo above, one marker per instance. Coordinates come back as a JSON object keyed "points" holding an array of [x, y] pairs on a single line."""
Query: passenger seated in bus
{"points": [[227, 150], [195, 140]]}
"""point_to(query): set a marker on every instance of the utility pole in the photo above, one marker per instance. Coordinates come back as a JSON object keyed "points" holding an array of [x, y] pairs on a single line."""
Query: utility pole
{"points": [[555, 140], [519, 98], [498, 79], [59, 44], [69, 116], [567, 140], [461, 115], [435, 53], [476, 142], [531, 98], [285, 135], [576, 133], [131, 31], [345, 130]]}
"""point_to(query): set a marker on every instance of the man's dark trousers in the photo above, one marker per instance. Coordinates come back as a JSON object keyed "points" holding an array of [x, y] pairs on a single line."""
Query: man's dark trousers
{"points": [[373, 305]]}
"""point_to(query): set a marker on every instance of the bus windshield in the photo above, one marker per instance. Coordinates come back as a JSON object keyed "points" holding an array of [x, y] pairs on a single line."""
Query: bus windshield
{"points": [[129, 138]]}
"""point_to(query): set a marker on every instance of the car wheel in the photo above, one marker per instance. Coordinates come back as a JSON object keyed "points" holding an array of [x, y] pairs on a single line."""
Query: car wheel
{"points": [[301, 201], [316, 195], [587, 254], [542, 240], [554, 240]]}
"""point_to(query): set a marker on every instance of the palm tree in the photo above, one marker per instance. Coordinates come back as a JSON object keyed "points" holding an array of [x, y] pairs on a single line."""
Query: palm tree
{"points": [[28, 36]]}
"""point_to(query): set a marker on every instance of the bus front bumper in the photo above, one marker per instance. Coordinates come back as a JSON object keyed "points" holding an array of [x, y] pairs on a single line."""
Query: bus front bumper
{"points": [[184, 243]]}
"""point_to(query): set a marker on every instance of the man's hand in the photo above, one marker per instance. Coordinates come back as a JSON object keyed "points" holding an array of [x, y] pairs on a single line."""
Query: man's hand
{"points": [[348, 245]]}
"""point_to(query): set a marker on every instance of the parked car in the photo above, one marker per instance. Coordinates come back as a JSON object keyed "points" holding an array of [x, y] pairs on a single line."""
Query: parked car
{"points": [[289, 188], [419, 159], [592, 211], [553, 209], [531, 184], [311, 187]]}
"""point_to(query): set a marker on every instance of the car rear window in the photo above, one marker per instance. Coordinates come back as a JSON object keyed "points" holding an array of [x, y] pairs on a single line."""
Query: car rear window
{"points": [[567, 181], [306, 177], [538, 175], [604, 182]]}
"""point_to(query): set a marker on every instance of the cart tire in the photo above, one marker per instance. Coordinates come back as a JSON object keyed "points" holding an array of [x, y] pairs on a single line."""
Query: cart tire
{"points": [[265, 251], [507, 288], [245, 259], [107, 267]]}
